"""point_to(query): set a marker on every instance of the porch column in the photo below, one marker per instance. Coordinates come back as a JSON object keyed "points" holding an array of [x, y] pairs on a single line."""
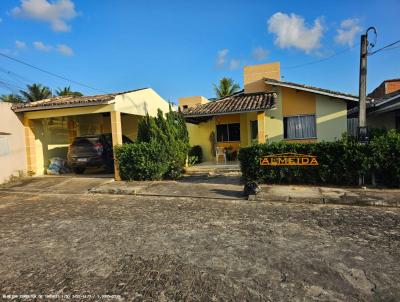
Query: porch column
{"points": [[116, 131], [261, 127], [30, 146]]}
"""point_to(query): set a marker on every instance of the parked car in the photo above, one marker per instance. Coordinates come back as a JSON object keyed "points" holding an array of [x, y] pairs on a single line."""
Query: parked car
{"points": [[92, 151]]}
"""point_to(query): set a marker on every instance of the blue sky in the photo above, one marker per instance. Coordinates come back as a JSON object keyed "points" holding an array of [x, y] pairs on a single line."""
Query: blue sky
{"points": [[179, 48]]}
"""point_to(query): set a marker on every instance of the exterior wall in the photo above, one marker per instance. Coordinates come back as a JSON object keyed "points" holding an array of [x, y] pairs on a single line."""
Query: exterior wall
{"points": [[385, 120], [331, 115], [200, 134], [12, 143], [140, 102], [254, 76], [191, 101], [392, 86]]}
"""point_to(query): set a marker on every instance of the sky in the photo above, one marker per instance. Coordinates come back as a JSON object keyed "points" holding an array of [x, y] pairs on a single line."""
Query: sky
{"points": [[180, 48]]}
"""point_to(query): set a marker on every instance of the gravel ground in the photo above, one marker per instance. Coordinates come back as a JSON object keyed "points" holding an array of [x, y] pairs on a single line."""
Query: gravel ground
{"points": [[180, 249]]}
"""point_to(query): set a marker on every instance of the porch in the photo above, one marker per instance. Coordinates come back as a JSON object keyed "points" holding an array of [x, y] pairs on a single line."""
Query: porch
{"points": [[52, 124], [229, 123]]}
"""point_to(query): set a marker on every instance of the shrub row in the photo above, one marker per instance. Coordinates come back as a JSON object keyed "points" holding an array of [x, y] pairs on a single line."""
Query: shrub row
{"points": [[341, 162]]}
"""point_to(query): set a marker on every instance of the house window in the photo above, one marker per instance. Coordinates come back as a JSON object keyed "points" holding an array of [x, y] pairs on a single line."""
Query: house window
{"points": [[254, 130], [228, 132], [184, 107], [299, 127]]}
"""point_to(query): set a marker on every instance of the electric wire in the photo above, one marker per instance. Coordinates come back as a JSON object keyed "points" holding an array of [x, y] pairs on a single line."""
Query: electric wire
{"points": [[50, 73]]}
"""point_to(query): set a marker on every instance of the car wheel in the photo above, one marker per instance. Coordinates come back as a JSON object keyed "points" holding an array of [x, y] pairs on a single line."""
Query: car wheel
{"points": [[79, 170]]}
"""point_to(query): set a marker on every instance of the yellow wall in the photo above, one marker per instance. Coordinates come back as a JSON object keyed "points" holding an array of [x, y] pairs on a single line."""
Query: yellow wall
{"points": [[191, 101], [254, 76], [297, 102], [200, 134]]}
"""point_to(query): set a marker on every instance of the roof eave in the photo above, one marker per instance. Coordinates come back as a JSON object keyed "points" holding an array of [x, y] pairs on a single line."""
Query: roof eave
{"points": [[61, 106], [227, 113], [334, 95]]}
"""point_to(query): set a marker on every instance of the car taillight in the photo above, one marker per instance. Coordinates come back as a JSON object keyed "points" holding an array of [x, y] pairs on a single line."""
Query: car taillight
{"points": [[98, 148]]}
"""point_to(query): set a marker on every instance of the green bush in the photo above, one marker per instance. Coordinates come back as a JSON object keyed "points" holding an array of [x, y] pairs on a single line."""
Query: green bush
{"points": [[197, 154], [340, 162], [162, 146], [141, 161]]}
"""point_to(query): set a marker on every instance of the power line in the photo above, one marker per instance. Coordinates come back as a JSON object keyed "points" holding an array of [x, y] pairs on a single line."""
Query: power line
{"points": [[50, 73], [384, 47], [320, 60]]}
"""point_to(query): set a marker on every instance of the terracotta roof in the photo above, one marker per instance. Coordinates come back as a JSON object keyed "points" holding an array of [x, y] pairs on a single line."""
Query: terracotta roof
{"points": [[337, 94], [240, 102], [68, 101]]}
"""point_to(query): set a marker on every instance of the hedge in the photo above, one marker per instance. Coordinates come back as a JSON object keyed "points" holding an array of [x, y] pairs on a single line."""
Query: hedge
{"points": [[340, 162]]}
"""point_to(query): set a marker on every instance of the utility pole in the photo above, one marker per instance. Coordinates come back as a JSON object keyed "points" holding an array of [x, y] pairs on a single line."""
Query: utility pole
{"points": [[362, 104], [362, 120]]}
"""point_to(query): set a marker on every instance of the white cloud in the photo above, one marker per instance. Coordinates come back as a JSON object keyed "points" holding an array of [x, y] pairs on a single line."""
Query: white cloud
{"points": [[291, 31], [60, 48], [233, 64], [259, 53], [347, 32], [65, 50], [221, 57], [56, 13], [41, 46], [20, 44]]}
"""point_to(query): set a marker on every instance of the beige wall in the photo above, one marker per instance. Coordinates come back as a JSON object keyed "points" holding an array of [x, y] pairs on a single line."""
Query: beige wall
{"points": [[331, 115], [141, 102], [12, 146]]}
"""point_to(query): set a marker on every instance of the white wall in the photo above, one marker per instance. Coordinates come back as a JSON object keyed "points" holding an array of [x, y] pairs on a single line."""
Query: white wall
{"points": [[12, 144]]}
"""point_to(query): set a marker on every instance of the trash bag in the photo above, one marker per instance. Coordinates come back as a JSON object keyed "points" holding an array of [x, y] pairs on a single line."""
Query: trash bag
{"points": [[57, 166], [251, 188]]}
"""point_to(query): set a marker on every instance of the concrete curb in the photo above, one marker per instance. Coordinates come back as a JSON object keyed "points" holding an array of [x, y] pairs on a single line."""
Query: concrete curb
{"points": [[328, 201]]}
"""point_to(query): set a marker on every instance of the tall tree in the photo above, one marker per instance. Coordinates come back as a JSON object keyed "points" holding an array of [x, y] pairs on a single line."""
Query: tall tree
{"points": [[11, 98], [36, 92], [67, 91], [226, 87]]}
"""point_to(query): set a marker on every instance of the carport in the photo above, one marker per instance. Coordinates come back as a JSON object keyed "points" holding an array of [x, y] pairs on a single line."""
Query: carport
{"points": [[52, 124]]}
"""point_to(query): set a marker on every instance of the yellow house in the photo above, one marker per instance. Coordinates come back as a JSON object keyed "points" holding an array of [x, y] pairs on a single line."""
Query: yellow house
{"points": [[52, 124], [267, 110]]}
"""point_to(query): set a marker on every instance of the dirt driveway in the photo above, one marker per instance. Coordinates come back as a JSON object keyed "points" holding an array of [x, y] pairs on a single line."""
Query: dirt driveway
{"points": [[168, 249]]}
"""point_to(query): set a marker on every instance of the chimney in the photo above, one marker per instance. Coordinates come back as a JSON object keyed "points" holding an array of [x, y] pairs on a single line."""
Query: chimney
{"points": [[254, 76], [191, 101]]}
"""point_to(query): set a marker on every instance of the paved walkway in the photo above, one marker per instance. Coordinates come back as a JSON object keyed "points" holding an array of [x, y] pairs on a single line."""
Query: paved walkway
{"points": [[211, 186]]}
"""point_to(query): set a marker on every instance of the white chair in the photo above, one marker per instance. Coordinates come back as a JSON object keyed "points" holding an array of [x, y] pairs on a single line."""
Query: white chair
{"points": [[219, 151]]}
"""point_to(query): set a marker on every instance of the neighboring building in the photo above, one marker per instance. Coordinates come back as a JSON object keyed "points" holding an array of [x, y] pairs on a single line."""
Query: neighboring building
{"points": [[385, 88], [267, 110], [12, 144], [382, 113], [52, 124]]}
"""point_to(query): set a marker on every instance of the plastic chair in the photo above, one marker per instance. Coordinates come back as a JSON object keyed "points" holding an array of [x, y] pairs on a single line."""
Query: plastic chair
{"points": [[219, 151]]}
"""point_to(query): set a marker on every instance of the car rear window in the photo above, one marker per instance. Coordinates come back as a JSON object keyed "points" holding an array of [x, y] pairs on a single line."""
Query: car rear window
{"points": [[82, 141]]}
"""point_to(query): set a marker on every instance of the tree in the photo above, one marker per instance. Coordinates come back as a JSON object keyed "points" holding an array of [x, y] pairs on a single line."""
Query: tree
{"points": [[67, 91], [36, 92], [226, 87], [11, 98]]}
